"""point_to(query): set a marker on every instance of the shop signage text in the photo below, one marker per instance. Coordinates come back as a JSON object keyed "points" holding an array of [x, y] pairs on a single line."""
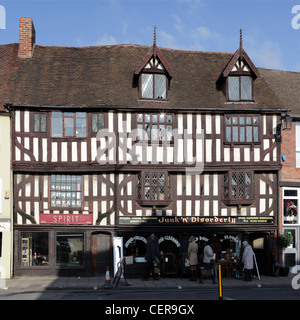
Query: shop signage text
{"points": [[66, 218], [195, 220]]}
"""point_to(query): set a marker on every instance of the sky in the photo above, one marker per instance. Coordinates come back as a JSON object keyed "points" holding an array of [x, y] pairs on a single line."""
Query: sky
{"points": [[271, 28]]}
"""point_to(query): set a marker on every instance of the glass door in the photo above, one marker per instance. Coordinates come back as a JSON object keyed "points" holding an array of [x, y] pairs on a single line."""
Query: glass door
{"points": [[290, 254]]}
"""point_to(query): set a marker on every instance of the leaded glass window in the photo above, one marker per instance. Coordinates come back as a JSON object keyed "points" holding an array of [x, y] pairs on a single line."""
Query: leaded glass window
{"points": [[153, 86], [153, 186], [237, 185], [241, 128], [239, 88]]}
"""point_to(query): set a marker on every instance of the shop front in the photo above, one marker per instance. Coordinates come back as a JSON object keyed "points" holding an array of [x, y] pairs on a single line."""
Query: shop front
{"points": [[173, 234]]}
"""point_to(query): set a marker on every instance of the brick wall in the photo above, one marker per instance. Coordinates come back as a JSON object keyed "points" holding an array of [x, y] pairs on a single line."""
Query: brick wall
{"points": [[26, 37]]}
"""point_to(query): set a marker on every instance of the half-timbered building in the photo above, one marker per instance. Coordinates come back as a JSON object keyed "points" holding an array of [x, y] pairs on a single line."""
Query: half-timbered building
{"points": [[112, 143]]}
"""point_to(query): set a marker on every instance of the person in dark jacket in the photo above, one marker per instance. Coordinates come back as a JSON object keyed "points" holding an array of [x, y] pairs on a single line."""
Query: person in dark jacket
{"points": [[152, 251]]}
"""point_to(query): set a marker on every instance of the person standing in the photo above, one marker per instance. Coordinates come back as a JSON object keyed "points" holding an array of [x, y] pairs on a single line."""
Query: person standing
{"points": [[209, 262], [152, 251], [247, 260], [193, 256]]}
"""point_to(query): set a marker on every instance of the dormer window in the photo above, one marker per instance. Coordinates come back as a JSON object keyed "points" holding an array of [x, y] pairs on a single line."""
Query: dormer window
{"points": [[239, 88], [154, 75], [240, 74], [153, 86]]}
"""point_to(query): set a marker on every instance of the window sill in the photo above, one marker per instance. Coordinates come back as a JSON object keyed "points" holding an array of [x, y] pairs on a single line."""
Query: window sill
{"points": [[154, 203], [153, 100], [243, 202]]}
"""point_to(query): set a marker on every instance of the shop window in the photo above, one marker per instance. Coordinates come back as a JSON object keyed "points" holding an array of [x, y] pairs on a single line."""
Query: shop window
{"points": [[66, 191], [154, 187], [155, 127], [69, 249], [68, 124], [290, 211], [241, 129], [237, 186], [34, 249]]}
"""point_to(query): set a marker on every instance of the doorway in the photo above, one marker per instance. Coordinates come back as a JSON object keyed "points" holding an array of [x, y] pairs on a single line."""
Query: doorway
{"points": [[290, 254], [101, 253]]}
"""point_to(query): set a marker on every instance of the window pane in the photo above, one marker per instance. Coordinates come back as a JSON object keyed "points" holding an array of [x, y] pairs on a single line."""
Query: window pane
{"points": [[235, 134], [34, 249], [69, 126], [255, 134], [160, 86], [233, 88], [80, 124], [246, 88], [147, 86], [36, 122], [69, 249], [140, 117], [242, 134], [95, 123], [56, 124], [228, 134], [249, 134], [43, 123]]}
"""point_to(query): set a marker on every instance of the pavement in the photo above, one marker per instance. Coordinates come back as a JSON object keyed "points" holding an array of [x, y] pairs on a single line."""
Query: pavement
{"points": [[43, 283]]}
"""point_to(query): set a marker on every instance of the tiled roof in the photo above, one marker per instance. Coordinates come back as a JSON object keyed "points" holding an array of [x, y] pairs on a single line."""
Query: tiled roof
{"points": [[104, 76]]}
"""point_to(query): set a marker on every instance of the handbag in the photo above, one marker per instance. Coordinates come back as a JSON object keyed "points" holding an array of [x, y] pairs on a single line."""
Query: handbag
{"points": [[187, 262], [212, 262]]}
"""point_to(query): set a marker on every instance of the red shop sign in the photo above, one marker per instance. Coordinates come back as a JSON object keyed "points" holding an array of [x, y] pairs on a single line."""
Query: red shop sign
{"points": [[66, 218]]}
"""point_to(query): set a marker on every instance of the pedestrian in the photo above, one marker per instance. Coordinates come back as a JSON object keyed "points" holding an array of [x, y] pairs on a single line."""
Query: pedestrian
{"points": [[208, 262], [152, 252], [247, 260], [193, 256]]}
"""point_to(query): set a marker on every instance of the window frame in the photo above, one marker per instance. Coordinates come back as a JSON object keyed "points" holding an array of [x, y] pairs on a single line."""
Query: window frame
{"points": [[63, 119], [239, 76], [245, 125], [142, 125], [141, 184], [37, 116], [70, 208], [238, 200]]}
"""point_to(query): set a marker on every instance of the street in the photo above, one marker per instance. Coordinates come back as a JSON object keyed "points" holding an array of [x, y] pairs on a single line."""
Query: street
{"points": [[258, 293]]}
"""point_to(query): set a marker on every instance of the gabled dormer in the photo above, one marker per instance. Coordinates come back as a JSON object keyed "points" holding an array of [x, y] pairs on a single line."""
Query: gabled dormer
{"points": [[240, 74], [154, 75]]}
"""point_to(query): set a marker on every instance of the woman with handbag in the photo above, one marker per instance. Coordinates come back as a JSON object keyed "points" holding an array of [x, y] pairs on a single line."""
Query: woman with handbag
{"points": [[209, 262], [193, 257]]}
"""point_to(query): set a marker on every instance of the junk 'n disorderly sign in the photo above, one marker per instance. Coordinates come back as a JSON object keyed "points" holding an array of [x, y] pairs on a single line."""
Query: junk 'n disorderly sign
{"points": [[133, 220]]}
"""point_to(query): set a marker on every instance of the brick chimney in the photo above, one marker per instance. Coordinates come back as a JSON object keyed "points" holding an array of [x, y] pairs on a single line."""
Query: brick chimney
{"points": [[26, 38]]}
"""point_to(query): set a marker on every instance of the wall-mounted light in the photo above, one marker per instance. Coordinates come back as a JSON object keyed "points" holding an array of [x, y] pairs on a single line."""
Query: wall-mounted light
{"points": [[285, 124]]}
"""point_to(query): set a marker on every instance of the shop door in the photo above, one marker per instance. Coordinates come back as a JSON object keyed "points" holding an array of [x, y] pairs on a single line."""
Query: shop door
{"points": [[101, 253], [290, 254]]}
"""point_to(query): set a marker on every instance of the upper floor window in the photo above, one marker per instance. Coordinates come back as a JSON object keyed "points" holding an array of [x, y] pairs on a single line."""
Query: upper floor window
{"points": [[241, 128], [153, 186], [66, 191], [39, 122], [69, 124], [97, 122], [155, 126], [239, 88], [154, 86], [238, 186]]}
